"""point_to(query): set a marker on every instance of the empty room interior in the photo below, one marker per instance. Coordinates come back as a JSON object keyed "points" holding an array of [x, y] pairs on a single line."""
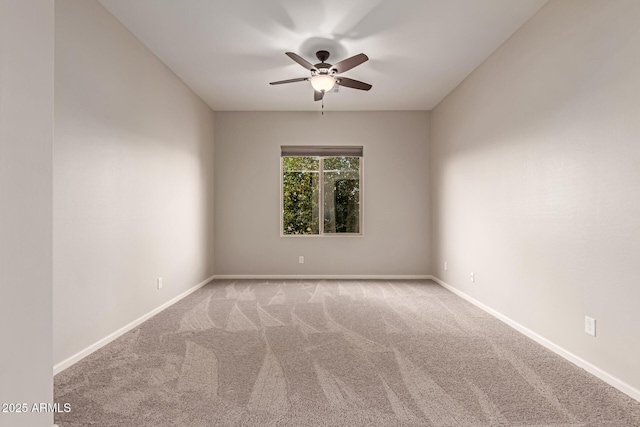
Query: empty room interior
{"points": [[285, 213]]}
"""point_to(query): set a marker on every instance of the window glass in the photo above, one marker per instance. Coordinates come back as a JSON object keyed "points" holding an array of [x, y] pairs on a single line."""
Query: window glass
{"points": [[341, 179], [321, 194], [300, 195]]}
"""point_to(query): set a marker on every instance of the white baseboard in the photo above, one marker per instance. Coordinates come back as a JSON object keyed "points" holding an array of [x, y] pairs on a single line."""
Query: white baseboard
{"points": [[318, 277], [106, 340], [578, 361]]}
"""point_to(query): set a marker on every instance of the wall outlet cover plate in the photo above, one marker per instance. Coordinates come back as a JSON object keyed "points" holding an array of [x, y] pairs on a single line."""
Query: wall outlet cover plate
{"points": [[590, 325]]}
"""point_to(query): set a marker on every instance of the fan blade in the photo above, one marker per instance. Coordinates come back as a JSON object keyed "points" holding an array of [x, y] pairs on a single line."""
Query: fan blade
{"points": [[301, 79], [300, 60], [349, 63], [354, 84], [317, 96]]}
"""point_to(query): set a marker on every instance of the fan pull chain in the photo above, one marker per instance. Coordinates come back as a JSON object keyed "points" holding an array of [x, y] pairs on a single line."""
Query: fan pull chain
{"points": [[322, 106]]}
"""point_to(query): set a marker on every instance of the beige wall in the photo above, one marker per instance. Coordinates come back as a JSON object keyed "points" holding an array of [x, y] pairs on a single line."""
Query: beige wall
{"points": [[133, 180], [26, 137], [247, 194], [536, 177]]}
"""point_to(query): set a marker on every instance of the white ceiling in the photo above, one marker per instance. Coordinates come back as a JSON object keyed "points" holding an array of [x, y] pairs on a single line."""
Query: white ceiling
{"points": [[229, 51]]}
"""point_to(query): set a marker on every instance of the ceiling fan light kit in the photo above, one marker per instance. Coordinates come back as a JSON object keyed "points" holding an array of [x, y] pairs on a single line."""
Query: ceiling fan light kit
{"points": [[323, 75], [323, 82]]}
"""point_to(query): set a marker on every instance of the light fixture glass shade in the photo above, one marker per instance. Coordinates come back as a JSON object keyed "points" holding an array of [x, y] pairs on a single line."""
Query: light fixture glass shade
{"points": [[322, 83]]}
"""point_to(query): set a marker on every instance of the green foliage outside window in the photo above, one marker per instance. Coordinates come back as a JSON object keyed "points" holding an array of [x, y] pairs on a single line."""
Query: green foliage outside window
{"points": [[301, 194], [341, 194], [300, 189]]}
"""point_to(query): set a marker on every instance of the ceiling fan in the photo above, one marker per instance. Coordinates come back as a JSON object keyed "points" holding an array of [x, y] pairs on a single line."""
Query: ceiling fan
{"points": [[324, 75]]}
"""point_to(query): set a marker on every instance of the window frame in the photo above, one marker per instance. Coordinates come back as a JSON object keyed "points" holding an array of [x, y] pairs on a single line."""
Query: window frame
{"points": [[321, 232]]}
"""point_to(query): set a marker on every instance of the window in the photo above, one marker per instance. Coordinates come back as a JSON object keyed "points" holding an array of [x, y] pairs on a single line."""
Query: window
{"points": [[321, 182]]}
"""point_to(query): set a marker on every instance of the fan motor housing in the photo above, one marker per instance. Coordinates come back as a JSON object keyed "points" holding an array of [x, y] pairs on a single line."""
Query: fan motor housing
{"points": [[322, 66]]}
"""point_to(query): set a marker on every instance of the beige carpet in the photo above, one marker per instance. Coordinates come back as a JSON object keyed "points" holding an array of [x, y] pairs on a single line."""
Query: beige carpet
{"points": [[332, 353]]}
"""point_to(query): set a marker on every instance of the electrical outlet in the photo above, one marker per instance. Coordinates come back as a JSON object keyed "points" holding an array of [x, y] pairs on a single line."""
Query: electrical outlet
{"points": [[472, 277], [301, 259], [446, 267], [590, 325], [159, 282]]}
